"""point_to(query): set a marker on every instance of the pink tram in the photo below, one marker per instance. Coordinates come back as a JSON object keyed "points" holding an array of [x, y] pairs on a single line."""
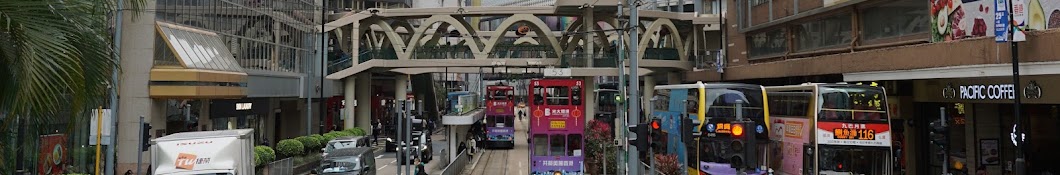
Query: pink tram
{"points": [[500, 116], [557, 126]]}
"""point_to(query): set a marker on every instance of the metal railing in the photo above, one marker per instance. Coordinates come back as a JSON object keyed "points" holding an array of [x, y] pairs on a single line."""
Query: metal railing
{"points": [[443, 52], [282, 166], [508, 50], [707, 59], [661, 54], [581, 60], [386, 53], [458, 165]]}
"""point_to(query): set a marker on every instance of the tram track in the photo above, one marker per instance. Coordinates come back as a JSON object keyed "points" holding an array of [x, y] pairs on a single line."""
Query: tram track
{"points": [[496, 163]]}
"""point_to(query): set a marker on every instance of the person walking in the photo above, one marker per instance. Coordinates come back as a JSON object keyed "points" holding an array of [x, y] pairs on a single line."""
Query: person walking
{"points": [[420, 170]]}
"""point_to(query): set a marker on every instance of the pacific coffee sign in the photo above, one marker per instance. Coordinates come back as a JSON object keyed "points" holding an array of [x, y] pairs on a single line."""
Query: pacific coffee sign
{"points": [[990, 91]]}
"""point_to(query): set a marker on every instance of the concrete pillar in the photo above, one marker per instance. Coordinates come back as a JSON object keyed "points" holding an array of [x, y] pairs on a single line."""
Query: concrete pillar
{"points": [[401, 82], [649, 90], [590, 98], [137, 43], [363, 117], [588, 27], [673, 78], [349, 95]]}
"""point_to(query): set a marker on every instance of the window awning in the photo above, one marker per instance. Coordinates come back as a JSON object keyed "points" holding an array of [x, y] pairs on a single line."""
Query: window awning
{"points": [[206, 68]]}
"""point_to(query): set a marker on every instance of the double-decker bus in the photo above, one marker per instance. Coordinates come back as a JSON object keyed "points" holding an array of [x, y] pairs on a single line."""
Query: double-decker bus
{"points": [[557, 126], [716, 106], [829, 129], [500, 116]]}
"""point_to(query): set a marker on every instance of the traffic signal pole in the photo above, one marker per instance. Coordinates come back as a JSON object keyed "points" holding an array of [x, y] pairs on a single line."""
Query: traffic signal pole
{"points": [[945, 152], [634, 82]]}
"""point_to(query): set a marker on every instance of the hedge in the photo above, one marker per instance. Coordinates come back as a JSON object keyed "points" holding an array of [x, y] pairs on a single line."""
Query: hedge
{"points": [[356, 131], [263, 155], [289, 148], [309, 143], [330, 136]]}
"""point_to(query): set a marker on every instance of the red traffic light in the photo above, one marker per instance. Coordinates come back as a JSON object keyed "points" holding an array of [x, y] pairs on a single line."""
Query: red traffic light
{"points": [[655, 124]]}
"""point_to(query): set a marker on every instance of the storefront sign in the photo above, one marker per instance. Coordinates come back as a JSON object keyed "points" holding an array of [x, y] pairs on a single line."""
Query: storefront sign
{"points": [[980, 92], [244, 106]]}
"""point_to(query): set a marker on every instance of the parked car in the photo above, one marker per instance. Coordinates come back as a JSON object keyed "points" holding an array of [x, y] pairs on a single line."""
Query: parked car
{"points": [[422, 144], [349, 161], [345, 142]]}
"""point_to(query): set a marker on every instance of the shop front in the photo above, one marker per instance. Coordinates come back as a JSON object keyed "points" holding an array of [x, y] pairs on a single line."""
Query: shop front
{"points": [[980, 124], [247, 113]]}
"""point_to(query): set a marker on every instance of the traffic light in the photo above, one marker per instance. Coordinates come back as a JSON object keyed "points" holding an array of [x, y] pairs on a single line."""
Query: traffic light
{"points": [[939, 133], [145, 132], [640, 136], [657, 142], [743, 145]]}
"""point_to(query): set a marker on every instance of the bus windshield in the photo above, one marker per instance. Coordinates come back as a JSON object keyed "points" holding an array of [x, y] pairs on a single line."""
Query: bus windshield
{"points": [[852, 103], [721, 102]]}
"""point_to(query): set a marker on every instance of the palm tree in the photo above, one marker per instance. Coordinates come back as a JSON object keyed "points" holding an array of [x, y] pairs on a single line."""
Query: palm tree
{"points": [[55, 55]]}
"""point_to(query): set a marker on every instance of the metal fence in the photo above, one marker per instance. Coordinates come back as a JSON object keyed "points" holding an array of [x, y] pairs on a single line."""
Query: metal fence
{"points": [[279, 167], [458, 165]]}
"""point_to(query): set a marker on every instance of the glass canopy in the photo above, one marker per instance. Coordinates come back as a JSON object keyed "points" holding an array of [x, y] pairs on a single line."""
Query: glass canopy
{"points": [[198, 49]]}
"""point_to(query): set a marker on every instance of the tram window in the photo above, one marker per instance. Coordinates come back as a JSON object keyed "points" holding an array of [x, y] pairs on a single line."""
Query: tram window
{"points": [[540, 145], [574, 145], [557, 145], [692, 103], [509, 121], [558, 95], [491, 121], [539, 95], [661, 100]]}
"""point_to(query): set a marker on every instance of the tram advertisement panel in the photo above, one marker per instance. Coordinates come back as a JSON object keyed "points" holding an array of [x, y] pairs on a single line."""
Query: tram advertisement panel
{"points": [[793, 133], [853, 134]]}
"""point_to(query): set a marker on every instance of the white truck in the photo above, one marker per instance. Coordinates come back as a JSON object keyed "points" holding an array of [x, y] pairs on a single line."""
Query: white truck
{"points": [[206, 152]]}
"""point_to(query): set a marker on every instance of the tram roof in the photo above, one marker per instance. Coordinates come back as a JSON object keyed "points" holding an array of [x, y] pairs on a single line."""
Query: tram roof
{"points": [[810, 86], [708, 85]]}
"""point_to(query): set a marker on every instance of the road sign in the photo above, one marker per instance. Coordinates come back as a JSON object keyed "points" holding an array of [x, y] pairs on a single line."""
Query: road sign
{"points": [[1001, 21]]}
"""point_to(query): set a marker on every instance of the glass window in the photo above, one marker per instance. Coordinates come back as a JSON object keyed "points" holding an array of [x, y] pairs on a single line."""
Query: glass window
{"points": [[557, 95], [721, 102], [898, 18], [539, 95], [852, 103], [796, 104], [768, 43], [557, 145], [576, 95], [540, 145], [692, 103], [574, 147], [830, 31]]}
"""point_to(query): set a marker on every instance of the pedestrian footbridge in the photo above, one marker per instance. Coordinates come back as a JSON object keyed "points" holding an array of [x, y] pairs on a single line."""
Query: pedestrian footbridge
{"points": [[465, 39]]}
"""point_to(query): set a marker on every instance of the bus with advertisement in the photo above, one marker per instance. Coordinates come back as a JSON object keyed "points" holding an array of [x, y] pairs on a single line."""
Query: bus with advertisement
{"points": [[500, 116], [557, 126], [829, 129], [713, 109]]}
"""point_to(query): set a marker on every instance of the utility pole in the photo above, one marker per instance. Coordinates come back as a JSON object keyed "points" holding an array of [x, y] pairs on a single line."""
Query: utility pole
{"points": [[1020, 159], [621, 105], [634, 82], [114, 84]]}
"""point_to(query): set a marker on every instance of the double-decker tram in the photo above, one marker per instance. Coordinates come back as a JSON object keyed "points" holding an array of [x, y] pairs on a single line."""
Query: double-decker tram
{"points": [[557, 126], [713, 128], [500, 116], [829, 129]]}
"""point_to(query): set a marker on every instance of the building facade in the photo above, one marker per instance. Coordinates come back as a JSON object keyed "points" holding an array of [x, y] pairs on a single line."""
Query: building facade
{"points": [[936, 56]]}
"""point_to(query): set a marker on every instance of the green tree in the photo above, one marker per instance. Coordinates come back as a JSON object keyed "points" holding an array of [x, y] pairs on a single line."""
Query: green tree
{"points": [[56, 55]]}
